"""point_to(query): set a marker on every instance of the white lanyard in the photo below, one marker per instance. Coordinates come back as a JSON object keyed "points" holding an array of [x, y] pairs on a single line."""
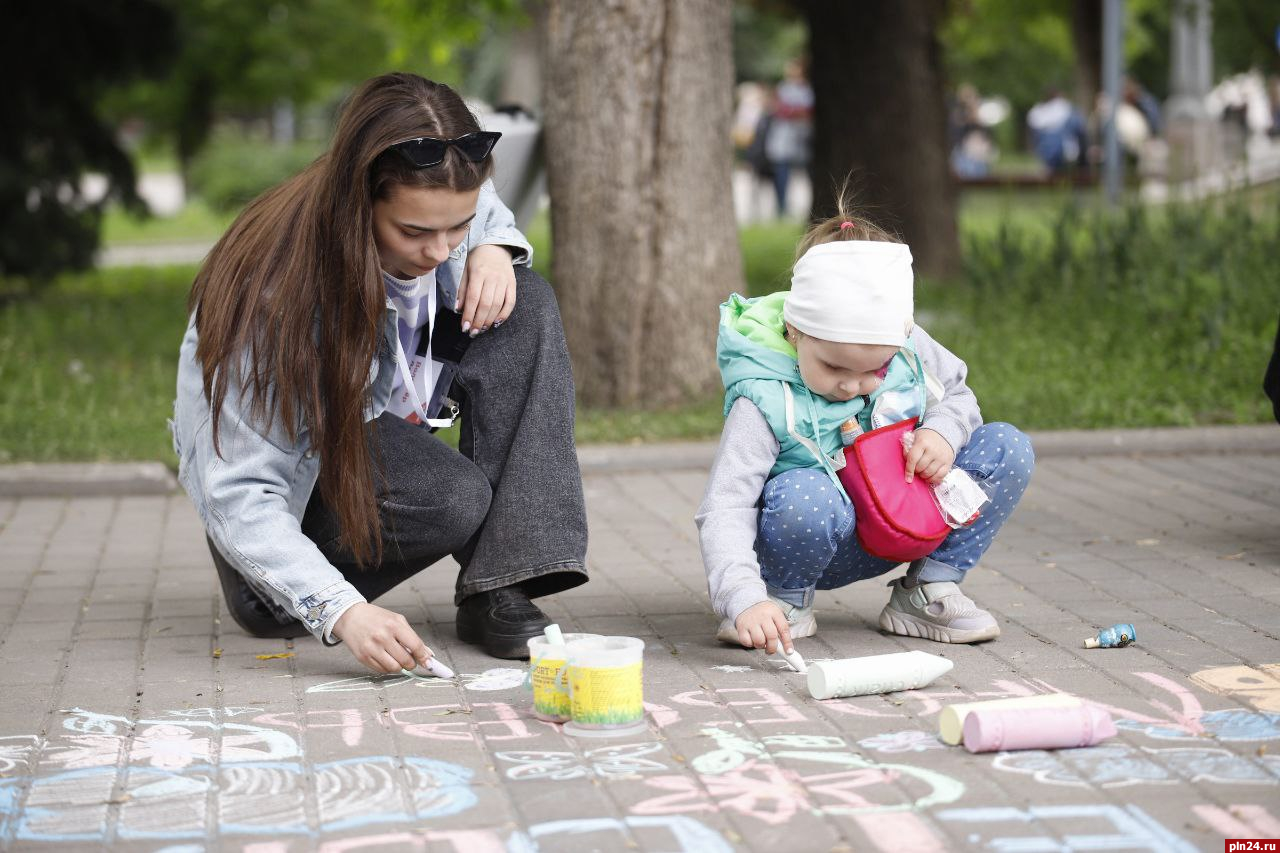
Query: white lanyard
{"points": [[428, 368]]}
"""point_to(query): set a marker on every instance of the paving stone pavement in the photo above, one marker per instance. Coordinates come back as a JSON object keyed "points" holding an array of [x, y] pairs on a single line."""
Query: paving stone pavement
{"points": [[135, 715]]}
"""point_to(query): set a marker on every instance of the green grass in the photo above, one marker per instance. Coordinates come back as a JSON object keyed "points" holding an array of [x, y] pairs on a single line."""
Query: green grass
{"points": [[196, 221], [1066, 317], [87, 367], [1132, 319]]}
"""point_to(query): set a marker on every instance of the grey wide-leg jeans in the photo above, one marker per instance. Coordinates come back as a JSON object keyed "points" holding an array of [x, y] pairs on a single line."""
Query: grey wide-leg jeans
{"points": [[507, 504]]}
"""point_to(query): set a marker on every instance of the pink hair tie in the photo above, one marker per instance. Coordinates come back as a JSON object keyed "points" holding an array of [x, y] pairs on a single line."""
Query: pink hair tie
{"points": [[845, 224]]}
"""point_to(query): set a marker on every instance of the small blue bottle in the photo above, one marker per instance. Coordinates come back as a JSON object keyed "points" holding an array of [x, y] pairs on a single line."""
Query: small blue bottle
{"points": [[1116, 637]]}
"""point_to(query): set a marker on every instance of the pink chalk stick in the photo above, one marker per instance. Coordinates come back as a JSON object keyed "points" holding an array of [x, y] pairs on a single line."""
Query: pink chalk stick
{"points": [[1036, 728]]}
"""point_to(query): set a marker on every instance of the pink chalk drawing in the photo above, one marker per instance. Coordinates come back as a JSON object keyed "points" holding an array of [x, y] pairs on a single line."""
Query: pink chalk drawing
{"points": [[1189, 721], [661, 715], [609, 762], [1186, 717], [445, 721], [437, 722], [899, 832], [349, 721], [752, 697], [1239, 821], [740, 775], [906, 741]]}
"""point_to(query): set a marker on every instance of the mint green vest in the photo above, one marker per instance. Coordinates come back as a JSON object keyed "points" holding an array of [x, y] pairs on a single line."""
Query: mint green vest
{"points": [[817, 418]]}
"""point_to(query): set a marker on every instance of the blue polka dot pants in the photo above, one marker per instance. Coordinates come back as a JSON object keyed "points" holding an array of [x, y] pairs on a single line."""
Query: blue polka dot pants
{"points": [[806, 538]]}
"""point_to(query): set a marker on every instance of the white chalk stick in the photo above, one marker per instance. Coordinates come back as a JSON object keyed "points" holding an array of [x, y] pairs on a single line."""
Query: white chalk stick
{"points": [[875, 674], [795, 660]]}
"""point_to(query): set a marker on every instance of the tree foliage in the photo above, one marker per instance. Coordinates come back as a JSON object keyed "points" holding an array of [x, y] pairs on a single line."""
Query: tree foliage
{"points": [[765, 36], [244, 56], [1016, 48], [58, 58]]}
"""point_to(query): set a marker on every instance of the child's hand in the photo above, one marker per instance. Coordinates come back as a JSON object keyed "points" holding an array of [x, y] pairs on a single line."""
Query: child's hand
{"points": [[762, 626], [930, 456]]}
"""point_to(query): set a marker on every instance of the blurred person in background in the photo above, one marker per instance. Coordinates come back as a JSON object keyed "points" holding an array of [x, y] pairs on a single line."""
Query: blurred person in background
{"points": [[787, 137], [1058, 135], [972, 146]]}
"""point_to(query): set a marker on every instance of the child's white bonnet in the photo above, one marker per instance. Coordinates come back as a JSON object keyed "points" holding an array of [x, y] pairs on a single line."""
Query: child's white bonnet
{"points": [[853, 291]]}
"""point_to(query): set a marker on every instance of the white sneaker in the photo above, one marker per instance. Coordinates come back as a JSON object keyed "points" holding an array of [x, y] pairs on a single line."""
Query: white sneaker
{"points": [[936, 611], [800, 622]]}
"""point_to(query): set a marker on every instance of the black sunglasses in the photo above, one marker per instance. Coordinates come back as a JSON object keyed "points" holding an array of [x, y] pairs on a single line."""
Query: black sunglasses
{"points": [[426, 151]]}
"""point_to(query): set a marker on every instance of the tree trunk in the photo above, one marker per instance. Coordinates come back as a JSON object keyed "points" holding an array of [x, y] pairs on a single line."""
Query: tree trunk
{"points": [[880, 117], [637, 106], [1086, 37]]}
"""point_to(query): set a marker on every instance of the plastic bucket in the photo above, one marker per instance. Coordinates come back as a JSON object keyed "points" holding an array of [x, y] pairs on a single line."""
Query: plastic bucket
{"points": [[606, 687], [548, 676]]}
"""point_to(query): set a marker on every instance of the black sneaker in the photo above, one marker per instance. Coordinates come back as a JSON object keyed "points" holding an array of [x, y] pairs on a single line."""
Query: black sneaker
{"points": [[255, 616], [502, 621]]}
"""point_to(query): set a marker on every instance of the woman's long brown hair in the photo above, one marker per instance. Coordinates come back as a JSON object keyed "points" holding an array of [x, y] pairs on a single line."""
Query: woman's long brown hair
{"points": [[290, 302]]}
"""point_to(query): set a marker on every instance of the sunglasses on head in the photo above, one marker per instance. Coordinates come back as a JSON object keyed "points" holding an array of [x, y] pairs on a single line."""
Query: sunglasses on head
{"points": [[426, 151]]}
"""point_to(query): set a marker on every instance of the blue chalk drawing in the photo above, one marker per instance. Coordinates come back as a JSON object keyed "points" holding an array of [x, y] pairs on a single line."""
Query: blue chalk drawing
{"points": [[1118, 765], [252, 798], [1235, 724], [692, 835], [1130, 828]]}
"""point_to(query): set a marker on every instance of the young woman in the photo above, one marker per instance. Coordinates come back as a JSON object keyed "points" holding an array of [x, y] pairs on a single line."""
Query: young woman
{"points": [[321, 350]]}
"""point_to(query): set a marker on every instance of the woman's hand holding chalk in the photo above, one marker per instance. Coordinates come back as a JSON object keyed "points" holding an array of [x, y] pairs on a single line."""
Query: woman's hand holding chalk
{"points": [[438, 669], [380, 639], [432, 666]]}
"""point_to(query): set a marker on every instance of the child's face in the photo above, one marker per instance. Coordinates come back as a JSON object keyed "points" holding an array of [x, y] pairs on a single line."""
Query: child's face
{"points": [[839, 371]]}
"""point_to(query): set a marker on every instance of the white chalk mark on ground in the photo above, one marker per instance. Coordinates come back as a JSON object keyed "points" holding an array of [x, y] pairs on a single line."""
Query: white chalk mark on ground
{"points": [[500, 678]]}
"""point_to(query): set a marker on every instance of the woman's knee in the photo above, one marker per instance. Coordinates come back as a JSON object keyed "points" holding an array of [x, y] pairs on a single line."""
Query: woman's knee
{"points": [[440, 515], [536, 305]]}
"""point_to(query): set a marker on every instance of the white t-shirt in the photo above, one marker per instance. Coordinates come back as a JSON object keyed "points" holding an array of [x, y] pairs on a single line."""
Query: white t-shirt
{"points": [[415, 301]]}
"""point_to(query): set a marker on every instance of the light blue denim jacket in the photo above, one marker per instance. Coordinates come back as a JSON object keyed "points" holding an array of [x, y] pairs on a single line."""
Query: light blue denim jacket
{"points": [[252, 497]]}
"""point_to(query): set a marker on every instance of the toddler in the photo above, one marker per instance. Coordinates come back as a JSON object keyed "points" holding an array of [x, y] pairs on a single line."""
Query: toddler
{"points": [[775, 524]]}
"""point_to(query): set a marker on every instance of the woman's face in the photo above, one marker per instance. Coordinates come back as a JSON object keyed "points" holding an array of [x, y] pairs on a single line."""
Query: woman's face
{"points": [[415, 228]]}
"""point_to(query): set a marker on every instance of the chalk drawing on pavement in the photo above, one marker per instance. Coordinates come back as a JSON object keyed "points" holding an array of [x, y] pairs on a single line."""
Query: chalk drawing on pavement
{"points": [[257, 798], [1119, 765], [610, 762], [1259, 685]]}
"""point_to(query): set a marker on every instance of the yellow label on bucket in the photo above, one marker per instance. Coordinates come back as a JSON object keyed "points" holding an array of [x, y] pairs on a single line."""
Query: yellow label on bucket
{"points": [[549, 700], [606, 695]]}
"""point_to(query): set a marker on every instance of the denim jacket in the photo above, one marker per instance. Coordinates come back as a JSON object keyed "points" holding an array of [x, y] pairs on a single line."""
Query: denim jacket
{"points": [[252, 497]]}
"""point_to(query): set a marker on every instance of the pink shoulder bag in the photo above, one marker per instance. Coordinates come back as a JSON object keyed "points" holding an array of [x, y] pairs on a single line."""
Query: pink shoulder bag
{"points": [[895, 520]]}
